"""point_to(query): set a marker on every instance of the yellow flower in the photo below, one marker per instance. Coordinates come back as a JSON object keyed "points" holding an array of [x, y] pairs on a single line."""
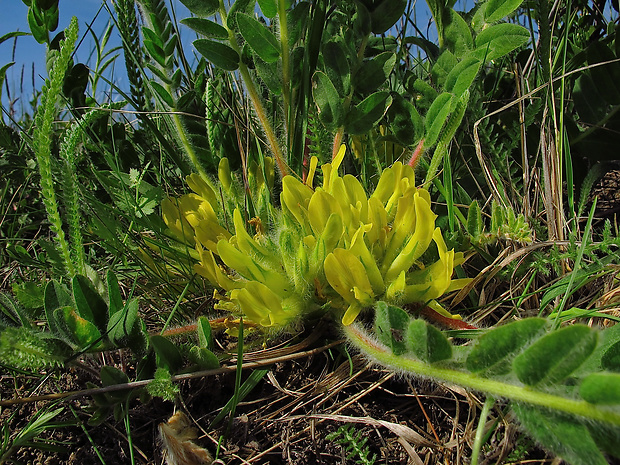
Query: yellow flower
{"points": [[332, 246]]}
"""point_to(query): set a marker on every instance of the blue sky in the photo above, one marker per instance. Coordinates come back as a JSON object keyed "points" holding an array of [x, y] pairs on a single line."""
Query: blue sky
{"points": [[28, 52]]}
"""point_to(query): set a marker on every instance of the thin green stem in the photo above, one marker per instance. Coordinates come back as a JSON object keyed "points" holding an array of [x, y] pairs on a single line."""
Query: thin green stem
{"points": [[478, 441], [375, 351], [259, 109], [286, 72]]}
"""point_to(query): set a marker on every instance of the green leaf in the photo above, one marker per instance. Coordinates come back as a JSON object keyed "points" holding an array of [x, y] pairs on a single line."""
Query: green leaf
{"points": [[206, 27], [499, 9], [589, 103], [427, 343], [296, 20], [560, 287], [337, 67], [475, 226], [391, 325], [239, 6], [29, 294], [555, 356], [220, 55], [611, 358], [499, 40], [462, 75], [3, 73], [442, 67], [561, 434], [88, 303], [111, 376], [374, 72], [114, 293], [385, 15], [495, 350], [436, 117], [259, 38], [366, 114], [204, 358], [25, 348], [123, 324], [75, 328], [203, 328], [431, 49], [10, 35], [12, 313], [156, 52], [56, 295], [162, 385], [601, 388], [268, 7], [163, 93], [201, 7], [605, 77], [457, 35], [37, 27], [328, 101], [405, 121], [152, 37], [269, 74], [167, 354]]}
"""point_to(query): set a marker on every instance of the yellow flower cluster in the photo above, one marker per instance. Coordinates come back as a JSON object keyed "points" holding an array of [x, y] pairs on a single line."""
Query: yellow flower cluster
{"points": [[334, 247]]}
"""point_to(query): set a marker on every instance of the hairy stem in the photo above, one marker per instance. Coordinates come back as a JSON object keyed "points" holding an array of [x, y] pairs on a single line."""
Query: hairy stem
{"points": [[376, 351], [259, 109]]}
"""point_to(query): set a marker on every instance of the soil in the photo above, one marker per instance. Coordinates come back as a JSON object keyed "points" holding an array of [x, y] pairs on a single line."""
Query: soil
{"points": [[284, 420]]}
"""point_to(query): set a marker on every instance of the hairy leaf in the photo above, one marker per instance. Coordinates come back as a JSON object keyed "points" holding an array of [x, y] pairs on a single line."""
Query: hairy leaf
{"points": [[561, 434], [611, 358], [555, 356], [405, 121], [56, 295], [374, 72], [436, 117], [259, 38], [462, 75], [203, 328], [268, 7], [495, 350], [114, 293], [327, 101], [385, 15], [201, 7], [88, 303], [391, 324], [80, 331], [206, 27], [475, 225], [337, 67], [499, 40], [366, 114], [427, 343], [167, 354], [499, 9], [123, 324], [204, 358], [220, 55], [457, 35], [601, 388]]}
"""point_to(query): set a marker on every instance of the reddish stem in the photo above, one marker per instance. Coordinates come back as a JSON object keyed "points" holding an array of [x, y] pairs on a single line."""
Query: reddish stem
{"points": [[416, 154]]}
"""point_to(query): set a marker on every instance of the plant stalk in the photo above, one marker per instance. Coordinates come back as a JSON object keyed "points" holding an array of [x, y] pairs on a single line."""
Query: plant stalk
{"points": [[379, 353]]}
